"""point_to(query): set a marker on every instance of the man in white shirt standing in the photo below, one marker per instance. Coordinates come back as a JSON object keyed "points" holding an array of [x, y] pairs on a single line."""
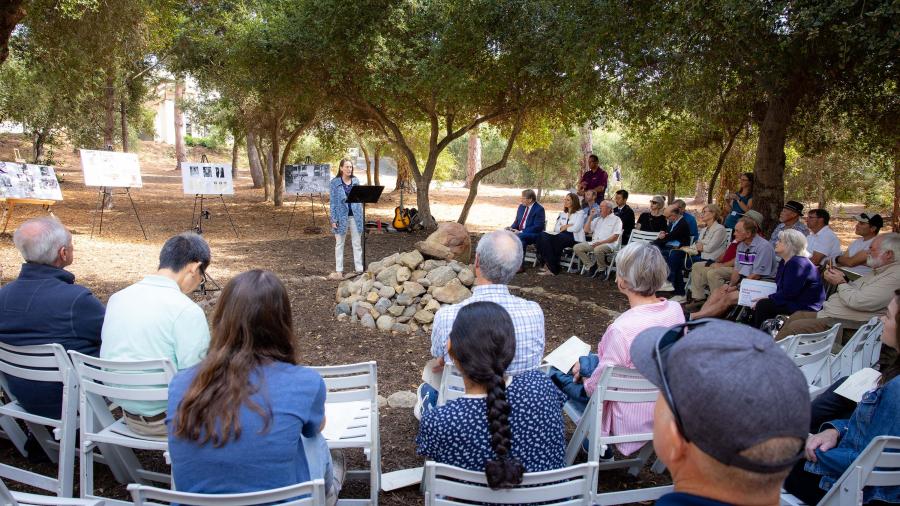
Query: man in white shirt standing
{"points": [[822, 243], [605, 231], [867, 227], [154, 318]]}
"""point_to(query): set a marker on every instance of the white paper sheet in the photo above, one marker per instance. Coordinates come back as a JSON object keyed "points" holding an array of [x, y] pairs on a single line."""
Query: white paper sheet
{"points": [[403, 478], [110, 168], [753, 289], [339, 415], [429, 376], [858, 383], [565, 356]]}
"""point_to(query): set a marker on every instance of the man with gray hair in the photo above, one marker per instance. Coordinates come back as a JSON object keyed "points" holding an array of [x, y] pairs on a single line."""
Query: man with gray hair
{"points": [[497, 258], [44, 306], [154, 318]]}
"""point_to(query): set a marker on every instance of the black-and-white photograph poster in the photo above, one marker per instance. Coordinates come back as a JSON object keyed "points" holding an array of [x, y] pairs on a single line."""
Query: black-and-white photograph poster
{"points": [[304, 179], [27, 181], [207, 178], [110, 168]]}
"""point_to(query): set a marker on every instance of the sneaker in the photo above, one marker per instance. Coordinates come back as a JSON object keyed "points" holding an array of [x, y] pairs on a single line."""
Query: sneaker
{"points": [[591, 272], [426, 398], [681, 299], [336, 276], [667, 287]]}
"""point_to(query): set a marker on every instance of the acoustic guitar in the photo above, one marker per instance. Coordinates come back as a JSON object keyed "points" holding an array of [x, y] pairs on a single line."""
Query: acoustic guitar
{"points": [[401, 215]]}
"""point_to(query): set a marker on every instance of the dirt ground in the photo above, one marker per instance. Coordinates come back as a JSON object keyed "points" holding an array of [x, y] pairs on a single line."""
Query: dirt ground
{"points": [[120, 256]]}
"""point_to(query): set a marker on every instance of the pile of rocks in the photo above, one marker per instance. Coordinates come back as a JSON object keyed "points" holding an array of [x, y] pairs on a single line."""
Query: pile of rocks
{"points": [[402, 292]]}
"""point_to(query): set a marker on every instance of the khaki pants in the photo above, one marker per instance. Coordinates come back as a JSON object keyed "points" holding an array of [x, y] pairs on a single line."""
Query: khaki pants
{"points": [[583, 249], [703, 275], [156, 428]]}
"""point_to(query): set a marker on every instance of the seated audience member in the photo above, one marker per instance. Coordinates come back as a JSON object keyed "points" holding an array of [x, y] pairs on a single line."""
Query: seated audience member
{"points": [[799, 287], [497, 256], [503, 426], [709, 246], [740, 201], [831, 451], [568, 231], [530, 219], [236, 418], [689, 218], [854, 302], [822, 243], [44, 305], [789, 218], [715, 275], [676, 235], [640, 272], [854, 259], [653, 220], [154, 318], [595, 178], [625, 213], [732, 414], [605, 232], [755, 256]]}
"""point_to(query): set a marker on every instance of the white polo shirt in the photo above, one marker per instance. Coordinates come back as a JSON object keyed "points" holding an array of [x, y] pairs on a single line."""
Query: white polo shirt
{"points": [[825, 242], [603, 228], [855, 247]]}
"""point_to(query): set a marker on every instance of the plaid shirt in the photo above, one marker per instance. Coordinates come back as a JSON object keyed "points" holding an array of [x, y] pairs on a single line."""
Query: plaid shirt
{"points": [[527, 317]]}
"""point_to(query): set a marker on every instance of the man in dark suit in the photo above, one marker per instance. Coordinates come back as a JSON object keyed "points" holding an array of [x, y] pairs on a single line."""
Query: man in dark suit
{"points": [[625, 213], [676, 235], [530, 219]]}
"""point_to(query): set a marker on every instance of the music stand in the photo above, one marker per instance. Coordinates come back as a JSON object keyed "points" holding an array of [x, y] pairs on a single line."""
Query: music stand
{"points": [[364, 194]]}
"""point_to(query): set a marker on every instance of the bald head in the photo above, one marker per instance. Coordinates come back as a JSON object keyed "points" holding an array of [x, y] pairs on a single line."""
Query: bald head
{"points": [[44, 241], [498, 257]]}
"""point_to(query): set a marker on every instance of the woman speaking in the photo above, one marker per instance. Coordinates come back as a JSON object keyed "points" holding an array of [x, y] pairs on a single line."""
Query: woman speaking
{"points": [[342, 213]]}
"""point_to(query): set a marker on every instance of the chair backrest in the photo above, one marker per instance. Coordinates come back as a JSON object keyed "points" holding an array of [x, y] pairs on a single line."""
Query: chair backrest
{"points": [[42, 362], [853, 356], [139, 380], [812, 352], [877, 466], [314, 492], [449, 485], [642, 236], [787, 344], [729, 235], [452, 385], [350, 382], [616, 384], [8, 498]]}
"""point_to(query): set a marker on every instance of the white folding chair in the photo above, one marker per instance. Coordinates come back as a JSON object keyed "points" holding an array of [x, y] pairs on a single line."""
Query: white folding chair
{"points": [[45, 362], [877, 465], [314, 492], [106, 381], [855, 356], [570, 486], [637, 236], [8, 498], [351, 383], [452, 385], [812, 354], [616, 384]]}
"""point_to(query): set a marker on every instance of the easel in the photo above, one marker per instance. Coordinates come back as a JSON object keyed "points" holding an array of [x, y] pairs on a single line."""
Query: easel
{"points": [[197, 226], [312, 204], [11, 204], [364, 194], [107, 193]]}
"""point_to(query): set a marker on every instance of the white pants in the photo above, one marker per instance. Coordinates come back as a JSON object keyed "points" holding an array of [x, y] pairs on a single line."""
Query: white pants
{"points": [[356, 240]]}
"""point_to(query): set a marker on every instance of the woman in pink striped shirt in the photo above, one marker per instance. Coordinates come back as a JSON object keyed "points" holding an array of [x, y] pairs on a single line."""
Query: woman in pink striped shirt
{"points": [[640, 272]]}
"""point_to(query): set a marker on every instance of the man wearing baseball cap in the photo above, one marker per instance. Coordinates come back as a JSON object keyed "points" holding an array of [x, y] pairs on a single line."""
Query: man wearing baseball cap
{"points": [[732, 415], [854, 259], [789, 218]]}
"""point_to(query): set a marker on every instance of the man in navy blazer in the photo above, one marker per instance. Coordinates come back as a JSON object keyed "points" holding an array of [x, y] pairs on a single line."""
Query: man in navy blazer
{"points": [[530, 219]]}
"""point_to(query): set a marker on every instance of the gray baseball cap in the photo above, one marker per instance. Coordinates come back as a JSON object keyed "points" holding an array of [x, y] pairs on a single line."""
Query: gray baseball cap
{"points": [[731, 388]]}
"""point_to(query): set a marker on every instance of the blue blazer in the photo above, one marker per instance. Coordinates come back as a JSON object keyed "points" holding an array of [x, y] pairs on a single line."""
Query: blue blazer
{"points": [[339, 212], [536, 221]]}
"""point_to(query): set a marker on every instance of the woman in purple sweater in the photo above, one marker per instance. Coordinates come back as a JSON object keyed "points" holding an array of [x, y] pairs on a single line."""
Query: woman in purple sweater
{"points": [[799, 284]]}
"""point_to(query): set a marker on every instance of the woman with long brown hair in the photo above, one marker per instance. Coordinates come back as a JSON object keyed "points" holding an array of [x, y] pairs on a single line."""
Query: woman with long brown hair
{"points": [[236, 419], [568, 231]]}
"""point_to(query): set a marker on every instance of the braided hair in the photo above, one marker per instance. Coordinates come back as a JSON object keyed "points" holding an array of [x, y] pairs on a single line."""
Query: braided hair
{"points": [[482, 345]]}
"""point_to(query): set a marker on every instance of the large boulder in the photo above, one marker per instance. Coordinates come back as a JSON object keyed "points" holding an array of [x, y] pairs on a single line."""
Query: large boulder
{"points": [[452, 293], [450, 241]]}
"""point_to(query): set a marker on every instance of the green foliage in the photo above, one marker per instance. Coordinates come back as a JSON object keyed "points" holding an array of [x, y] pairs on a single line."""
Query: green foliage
{"points": [[206, 142]]}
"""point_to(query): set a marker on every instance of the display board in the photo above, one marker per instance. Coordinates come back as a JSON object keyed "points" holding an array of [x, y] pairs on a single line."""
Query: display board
{"points": [[204, 178], [110, 168], [303, 179], [27, 181]]}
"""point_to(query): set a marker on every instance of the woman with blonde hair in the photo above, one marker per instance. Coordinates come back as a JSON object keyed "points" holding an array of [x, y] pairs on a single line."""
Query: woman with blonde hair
{"points": [[708, 248], [799, 286]]}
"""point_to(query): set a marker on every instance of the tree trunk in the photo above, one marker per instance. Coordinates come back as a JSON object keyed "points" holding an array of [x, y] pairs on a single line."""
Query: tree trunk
{"points": [[376, 164], [11, 12], [365, 151], [723, 155], [403, 173], [235, 151], [895, 214], [37, 145], [277, 180], [700, 192], [109, 108], [270, 164], [256, 170], [473, 161], [473, 190], [768, 185], [587, 145], [123, 118], [179, 124]]}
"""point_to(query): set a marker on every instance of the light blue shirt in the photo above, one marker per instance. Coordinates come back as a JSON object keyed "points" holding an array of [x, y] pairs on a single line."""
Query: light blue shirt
{"points": [[152, 319]]}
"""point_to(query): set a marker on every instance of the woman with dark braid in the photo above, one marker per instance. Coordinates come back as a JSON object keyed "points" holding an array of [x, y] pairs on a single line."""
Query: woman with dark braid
{"points": [[502, 426]]}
